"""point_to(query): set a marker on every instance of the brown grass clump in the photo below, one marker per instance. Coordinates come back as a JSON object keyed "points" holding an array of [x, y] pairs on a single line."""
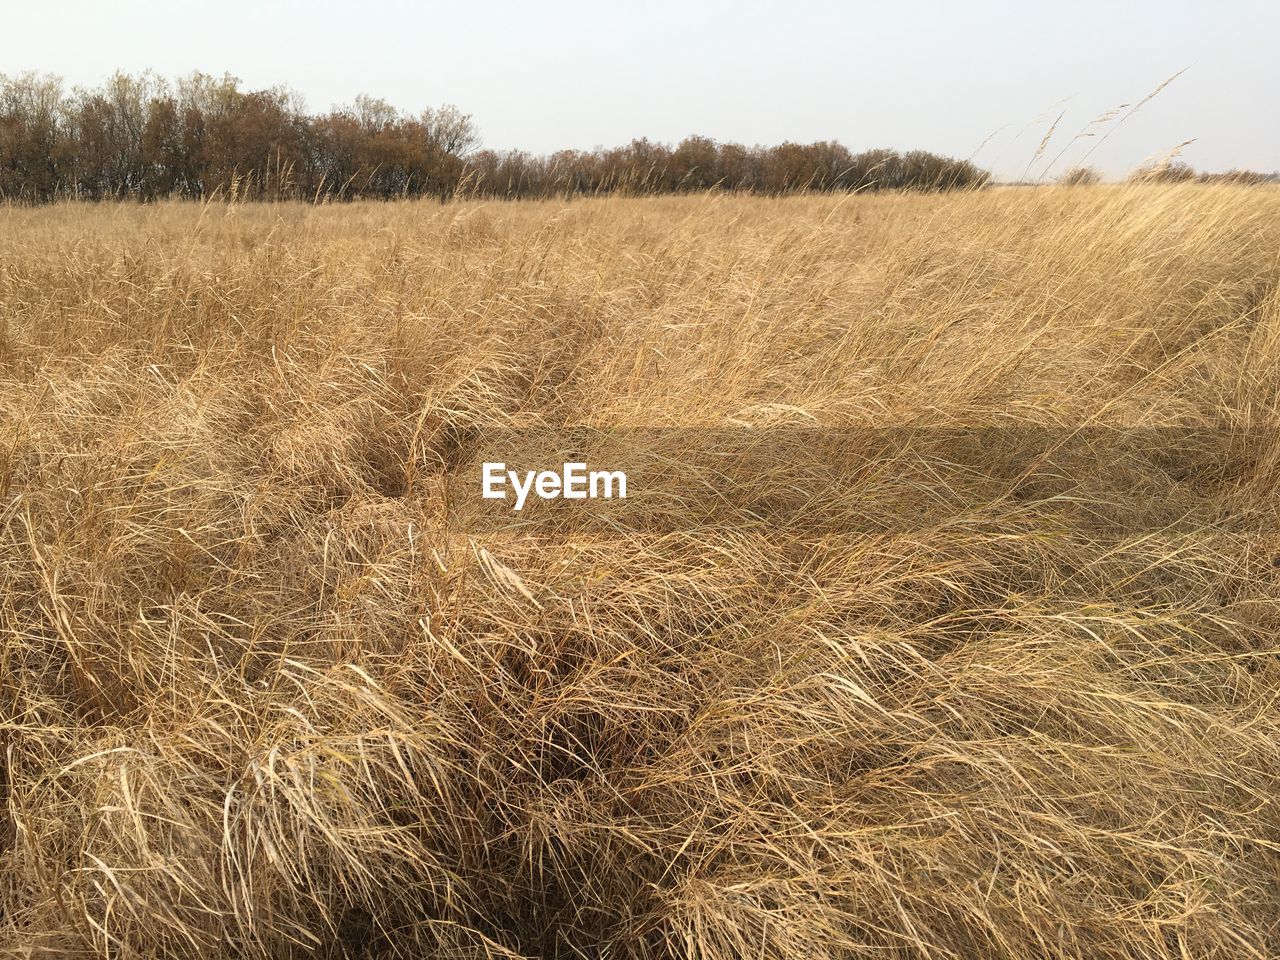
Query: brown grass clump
{"points": [[263, 694]]}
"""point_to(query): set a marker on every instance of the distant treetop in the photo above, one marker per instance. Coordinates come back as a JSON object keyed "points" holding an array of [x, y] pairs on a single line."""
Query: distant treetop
{"points": [[143, 137]]}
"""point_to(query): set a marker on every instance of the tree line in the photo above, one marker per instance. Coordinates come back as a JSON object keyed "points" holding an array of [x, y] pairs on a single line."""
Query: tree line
{"points": [[1179, 172], [143, 137]]}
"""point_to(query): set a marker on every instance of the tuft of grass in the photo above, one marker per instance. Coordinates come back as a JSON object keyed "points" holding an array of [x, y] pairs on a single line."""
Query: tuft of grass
{"points": [[261, 695]]}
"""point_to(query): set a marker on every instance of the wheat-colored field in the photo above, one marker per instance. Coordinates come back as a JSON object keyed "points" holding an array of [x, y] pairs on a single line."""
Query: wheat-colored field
{"points": [[264, 694]]}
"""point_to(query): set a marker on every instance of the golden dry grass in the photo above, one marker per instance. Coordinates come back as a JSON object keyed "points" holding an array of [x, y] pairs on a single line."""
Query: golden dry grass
{"points": [[260, 696]]}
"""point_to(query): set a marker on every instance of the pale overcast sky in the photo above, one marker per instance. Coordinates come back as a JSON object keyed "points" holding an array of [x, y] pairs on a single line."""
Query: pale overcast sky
{"points": [[936, 74]]}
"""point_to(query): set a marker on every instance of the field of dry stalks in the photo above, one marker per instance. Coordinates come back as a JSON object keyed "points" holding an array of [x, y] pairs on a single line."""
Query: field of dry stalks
{"points": [[263, 694]]}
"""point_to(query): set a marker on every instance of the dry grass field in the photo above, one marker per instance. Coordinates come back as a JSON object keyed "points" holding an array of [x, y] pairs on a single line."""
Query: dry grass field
{"points": [[263, 694]]}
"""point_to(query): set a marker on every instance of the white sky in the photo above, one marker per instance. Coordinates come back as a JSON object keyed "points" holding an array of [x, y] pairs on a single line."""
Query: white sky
{"points": [[936, 74]]}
